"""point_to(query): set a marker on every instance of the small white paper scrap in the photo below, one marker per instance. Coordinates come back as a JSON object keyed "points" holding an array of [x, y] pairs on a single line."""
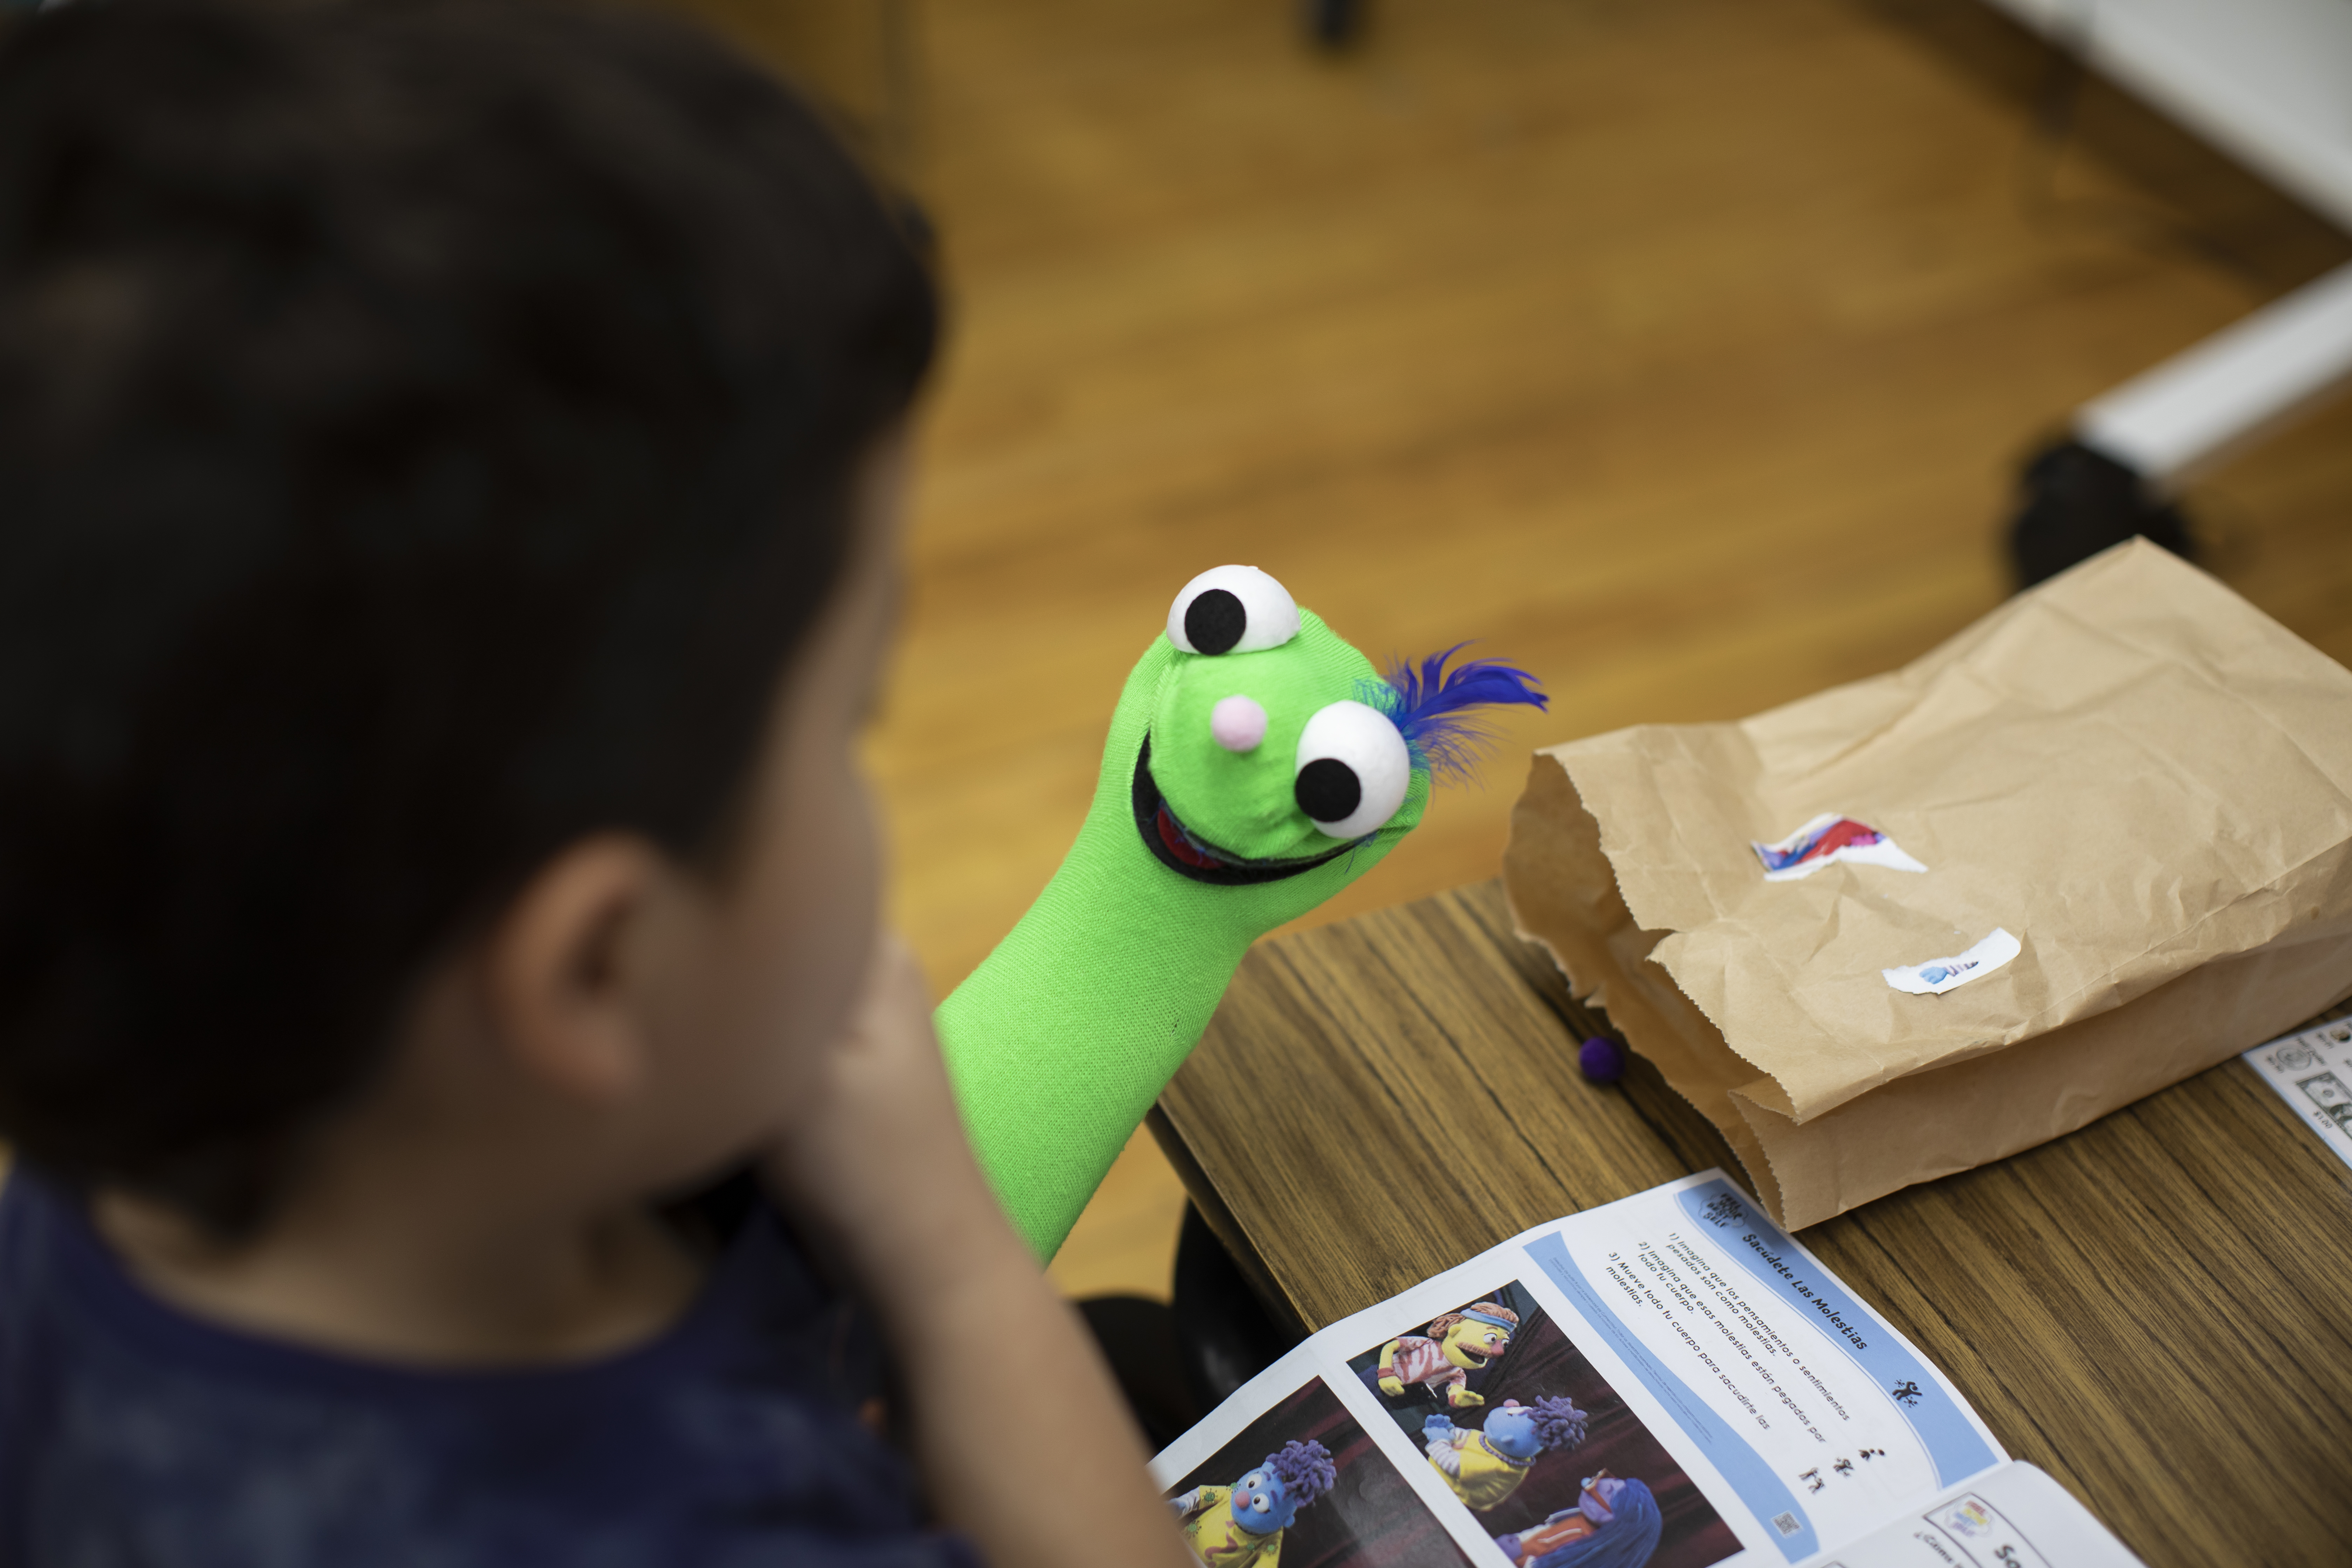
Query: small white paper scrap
{"points": [[1939, 975], [1826, 838], [2312, 1072]]}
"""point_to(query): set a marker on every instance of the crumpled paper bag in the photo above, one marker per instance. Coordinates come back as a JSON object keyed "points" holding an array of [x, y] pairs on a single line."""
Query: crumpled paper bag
{"points": [[2142, 778]]}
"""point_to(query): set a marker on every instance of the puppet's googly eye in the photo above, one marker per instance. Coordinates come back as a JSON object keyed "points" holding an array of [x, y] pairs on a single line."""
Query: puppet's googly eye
{"points": [[1232, 609], [1260, 1502], [1353, 770]]}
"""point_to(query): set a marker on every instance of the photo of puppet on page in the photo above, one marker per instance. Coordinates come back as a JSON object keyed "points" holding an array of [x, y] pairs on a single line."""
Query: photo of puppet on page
{"points": [[1527, 1435], [1303, 1487]]}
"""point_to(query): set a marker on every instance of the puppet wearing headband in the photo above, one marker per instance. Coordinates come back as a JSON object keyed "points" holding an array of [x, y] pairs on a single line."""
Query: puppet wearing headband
{"points": [[1442, 1360], [1256, 765]]}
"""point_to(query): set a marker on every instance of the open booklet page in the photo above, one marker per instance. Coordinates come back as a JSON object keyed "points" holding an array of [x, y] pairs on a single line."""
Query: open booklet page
{"points": [[1667, 1380], [2012, 1517]]}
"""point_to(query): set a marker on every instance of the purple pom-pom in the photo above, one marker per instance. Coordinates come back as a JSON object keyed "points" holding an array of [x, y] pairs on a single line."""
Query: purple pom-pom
{"points": [[1305, 1470], [1559, 1423], [1603, 1059]]}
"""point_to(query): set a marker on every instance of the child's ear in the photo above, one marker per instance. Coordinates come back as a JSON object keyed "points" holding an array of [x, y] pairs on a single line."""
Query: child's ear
{"points": [[565, 962]]}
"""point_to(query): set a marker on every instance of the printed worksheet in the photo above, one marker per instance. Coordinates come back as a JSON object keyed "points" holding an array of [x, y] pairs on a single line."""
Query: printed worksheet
{"points": [[2013, 1516], [1666, 1380], [2312, 1070]]}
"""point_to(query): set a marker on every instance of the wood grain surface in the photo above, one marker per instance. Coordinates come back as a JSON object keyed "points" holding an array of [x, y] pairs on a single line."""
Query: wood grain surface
{"points": [[2157, 1309]]}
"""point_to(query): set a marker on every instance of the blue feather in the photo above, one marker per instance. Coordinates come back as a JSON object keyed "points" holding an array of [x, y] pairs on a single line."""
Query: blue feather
{"points": [[1432, 706]]}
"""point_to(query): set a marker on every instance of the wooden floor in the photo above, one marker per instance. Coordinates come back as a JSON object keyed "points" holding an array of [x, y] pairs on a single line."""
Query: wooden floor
{"points": [[1681, 350]]}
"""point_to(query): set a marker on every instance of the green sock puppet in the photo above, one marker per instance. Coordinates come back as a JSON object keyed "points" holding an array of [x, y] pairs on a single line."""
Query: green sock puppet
{"points": [[1256, 765]]}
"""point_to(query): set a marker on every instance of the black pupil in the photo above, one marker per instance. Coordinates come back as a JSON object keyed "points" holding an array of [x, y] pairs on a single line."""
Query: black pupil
{"points": [[1215, 622], [1329, 790]]}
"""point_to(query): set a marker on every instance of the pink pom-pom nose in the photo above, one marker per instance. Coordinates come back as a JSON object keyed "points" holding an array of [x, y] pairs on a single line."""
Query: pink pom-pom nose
{"points": [[1238, 723]]}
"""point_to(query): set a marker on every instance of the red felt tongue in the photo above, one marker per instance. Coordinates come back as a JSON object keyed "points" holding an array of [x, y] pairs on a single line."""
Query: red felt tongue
{"points": [[1178, 845]]}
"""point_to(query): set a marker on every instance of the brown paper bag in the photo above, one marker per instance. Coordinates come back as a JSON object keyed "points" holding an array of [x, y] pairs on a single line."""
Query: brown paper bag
{"points": [[2139, 776]]}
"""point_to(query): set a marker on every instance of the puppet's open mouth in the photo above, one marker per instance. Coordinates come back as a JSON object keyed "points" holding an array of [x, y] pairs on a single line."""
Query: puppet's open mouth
{"points": [[1189, 855]]}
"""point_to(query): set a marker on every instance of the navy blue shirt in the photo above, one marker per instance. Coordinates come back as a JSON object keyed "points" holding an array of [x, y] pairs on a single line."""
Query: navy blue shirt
{"points": [[132, 1434]]}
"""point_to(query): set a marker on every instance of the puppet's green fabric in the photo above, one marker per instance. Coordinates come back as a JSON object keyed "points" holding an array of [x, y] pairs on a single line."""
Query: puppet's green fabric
{"points": [[1060, 1041]]}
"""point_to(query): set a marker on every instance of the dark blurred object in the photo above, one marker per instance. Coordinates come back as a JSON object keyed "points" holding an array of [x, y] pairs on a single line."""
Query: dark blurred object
{"points": [[860, 61], [1138, 1338], [1333, 23], [914, 220], [2077, 501], [1177, 1364], [1226, 1334]]}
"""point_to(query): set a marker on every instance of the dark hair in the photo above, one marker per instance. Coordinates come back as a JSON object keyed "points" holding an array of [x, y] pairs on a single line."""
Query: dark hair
{"points": [[426, 429]]}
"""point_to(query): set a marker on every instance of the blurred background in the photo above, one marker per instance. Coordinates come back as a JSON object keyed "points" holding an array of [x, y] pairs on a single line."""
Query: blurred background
{"points": [[1684, 350]]}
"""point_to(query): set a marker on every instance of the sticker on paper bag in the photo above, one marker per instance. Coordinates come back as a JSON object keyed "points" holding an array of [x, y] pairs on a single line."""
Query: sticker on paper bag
{"points": [[1829, 837], [1939, 975]]}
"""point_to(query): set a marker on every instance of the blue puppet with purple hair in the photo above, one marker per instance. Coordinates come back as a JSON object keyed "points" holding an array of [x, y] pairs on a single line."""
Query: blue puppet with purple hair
{"points": [[1256, 765], [1228, 1527], [1614, 1524], [1485, 1465]]}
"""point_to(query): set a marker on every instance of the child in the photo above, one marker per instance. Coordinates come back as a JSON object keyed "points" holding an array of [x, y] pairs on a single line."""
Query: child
{"points": [[449, 456]]}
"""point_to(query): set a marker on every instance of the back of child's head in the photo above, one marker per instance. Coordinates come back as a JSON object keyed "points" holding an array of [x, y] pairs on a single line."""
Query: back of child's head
{"points": [[426, 429]]}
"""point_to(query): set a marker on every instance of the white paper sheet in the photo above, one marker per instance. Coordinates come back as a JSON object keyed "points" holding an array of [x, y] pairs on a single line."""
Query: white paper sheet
{"points": [[2312, 1070], [1765, 1415], [2014, 1516]]}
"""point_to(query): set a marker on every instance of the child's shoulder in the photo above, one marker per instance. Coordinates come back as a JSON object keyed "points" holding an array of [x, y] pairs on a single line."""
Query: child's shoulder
{"points": [[118, 1413]]}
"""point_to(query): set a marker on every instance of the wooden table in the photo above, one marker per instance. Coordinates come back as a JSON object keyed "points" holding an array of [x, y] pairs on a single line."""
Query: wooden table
{"points": [[2157, 1309]]}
